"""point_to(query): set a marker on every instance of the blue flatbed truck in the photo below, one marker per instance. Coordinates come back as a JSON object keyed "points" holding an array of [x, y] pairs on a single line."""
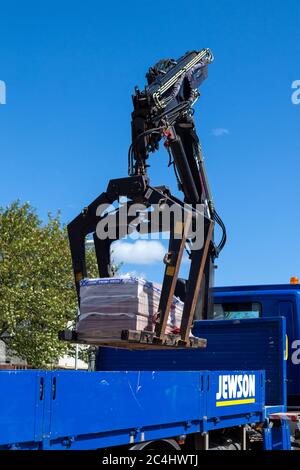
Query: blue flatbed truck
{"points": [[241, 302], [213, 398]]}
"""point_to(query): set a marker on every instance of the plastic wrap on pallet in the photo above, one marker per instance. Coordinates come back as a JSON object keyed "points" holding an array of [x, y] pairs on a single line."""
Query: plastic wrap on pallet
{"points": [[110, 305]]}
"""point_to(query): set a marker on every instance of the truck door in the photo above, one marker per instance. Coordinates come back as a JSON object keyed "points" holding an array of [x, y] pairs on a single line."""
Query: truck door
{"points": [[286, 309]]}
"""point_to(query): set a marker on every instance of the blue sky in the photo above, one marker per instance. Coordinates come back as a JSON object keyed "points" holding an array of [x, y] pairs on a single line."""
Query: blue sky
{"points": [[70, 68]]}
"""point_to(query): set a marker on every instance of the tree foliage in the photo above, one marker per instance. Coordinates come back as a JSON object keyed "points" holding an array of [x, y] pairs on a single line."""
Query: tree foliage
{"points": [[37, 294]]}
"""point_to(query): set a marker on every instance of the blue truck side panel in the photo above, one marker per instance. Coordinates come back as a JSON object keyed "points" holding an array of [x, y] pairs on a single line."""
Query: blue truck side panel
{"points": [[275, 300], [89, 410], [21, 413], [109, 401], [232, 344]]}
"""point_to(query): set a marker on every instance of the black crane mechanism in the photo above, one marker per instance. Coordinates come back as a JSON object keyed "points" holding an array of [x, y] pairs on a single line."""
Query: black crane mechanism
{"points": [[162, 111]]}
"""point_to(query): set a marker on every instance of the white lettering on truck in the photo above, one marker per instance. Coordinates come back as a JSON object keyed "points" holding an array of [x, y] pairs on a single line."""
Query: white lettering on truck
{"points": [[236, 387]]}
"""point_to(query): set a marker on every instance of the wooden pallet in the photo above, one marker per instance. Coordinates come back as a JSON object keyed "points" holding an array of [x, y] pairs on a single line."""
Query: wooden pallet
{"points": [[133, 339]]}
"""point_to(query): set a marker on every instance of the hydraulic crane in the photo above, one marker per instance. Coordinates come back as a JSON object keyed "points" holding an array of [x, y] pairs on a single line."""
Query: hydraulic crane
{"points": [[162, 111]]}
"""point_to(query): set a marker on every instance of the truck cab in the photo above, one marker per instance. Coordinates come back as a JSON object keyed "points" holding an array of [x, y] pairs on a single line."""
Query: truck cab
{"points": [[242, 302]]}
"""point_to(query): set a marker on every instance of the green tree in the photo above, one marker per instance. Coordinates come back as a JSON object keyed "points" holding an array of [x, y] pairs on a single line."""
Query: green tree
{"points": [[37, 294]]}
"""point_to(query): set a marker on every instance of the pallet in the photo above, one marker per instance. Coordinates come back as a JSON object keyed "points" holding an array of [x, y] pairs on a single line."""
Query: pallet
{"points": [[133, 339]]}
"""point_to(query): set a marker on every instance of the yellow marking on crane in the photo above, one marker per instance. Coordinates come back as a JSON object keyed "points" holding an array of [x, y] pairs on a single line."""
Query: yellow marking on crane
{"points": [[170, 271]]}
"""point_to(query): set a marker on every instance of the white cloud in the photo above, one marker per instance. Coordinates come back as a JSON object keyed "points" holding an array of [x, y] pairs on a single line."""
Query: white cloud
{"points": [[220, 131], [139, 252]]}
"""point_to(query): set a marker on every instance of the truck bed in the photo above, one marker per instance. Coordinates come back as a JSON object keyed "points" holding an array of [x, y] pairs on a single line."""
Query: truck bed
{"points": [[105, 408], [91, 410]]}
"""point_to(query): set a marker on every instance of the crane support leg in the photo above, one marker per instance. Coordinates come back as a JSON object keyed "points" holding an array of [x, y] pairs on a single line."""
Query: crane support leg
{"points": [[199, 258]]}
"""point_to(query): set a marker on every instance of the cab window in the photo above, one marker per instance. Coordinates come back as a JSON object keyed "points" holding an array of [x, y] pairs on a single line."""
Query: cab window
{"points": [[236, 310]]}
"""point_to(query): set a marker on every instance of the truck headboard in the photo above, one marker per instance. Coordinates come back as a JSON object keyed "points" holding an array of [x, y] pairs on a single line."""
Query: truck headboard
{"points": [[253, 344]]}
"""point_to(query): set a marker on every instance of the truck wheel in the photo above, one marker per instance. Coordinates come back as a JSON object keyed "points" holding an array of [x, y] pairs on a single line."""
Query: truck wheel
{"points": [[162, 445]]}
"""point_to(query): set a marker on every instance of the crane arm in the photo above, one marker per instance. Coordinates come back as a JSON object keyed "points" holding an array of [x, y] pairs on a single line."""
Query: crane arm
{"points": [[163, 111]]}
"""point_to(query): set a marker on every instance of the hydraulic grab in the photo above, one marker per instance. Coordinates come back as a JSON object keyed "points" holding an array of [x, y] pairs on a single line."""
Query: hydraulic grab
{"points": [[162, 111]]}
